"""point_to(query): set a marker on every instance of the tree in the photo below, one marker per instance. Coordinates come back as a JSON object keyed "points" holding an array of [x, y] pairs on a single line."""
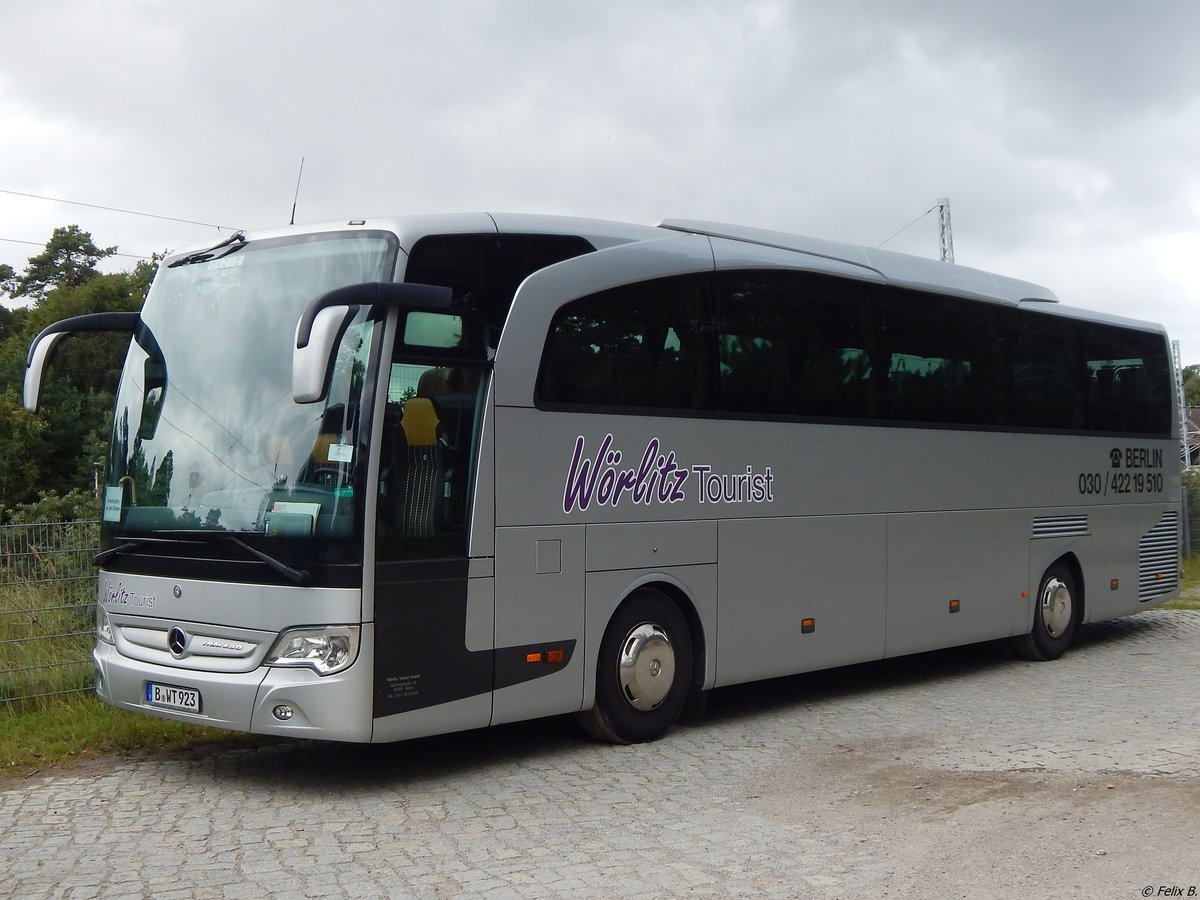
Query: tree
{"points": [[10, 321], [143, 273], [19, 469], [1191, 385], [69, 260], [8, 278], [53, 452]]}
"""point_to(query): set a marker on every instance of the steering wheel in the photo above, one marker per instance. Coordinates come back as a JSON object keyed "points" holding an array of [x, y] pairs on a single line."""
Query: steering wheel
{"points": [[326, 475]]}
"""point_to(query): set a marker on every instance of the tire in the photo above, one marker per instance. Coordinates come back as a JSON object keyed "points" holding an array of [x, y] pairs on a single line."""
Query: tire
{"points": [[643, 672], [1056, 616]]}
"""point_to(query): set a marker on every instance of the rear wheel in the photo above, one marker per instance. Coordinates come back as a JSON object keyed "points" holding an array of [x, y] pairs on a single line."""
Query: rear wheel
{"points": [[1055, 617], [643, 672]]}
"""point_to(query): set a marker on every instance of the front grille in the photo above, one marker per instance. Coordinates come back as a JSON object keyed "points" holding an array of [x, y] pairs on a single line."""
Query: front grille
{"points": [[201, 647]]}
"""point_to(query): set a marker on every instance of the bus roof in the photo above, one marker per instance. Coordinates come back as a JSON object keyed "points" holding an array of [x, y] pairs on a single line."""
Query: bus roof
{"points": [[896, 268]]}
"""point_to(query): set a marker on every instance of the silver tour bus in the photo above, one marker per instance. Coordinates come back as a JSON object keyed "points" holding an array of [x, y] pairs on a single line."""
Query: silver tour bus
{"points": [[389, 478]]}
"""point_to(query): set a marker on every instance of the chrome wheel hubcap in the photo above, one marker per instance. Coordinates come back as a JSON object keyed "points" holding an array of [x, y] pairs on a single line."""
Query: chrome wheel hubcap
{"points": [[1056, 607], [646, 669]]}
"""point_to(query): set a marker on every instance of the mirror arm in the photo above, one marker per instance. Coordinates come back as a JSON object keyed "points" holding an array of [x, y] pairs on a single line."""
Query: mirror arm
{"points": [[43, 347], [105, 321], [434, 298]]}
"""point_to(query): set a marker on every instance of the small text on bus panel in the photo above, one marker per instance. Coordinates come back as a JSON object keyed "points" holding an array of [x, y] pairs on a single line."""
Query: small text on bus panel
{"points": [[1131, 470]]}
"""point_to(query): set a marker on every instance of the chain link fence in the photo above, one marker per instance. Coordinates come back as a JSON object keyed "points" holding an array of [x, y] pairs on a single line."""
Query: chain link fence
{"points": [[47, 610]]}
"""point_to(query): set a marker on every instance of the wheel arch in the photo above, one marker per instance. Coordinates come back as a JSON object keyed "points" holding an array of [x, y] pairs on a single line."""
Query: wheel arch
{"points": [[649, 633], [1071, 561], [681, 595], [1040, 564], [1050, 634]]}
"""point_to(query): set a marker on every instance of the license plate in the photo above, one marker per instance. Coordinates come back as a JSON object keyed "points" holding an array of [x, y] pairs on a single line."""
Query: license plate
{"points": [[170, 697]]}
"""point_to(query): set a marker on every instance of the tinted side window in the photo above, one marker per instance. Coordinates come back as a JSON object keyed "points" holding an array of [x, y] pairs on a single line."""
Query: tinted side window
{"points": [[485, 270], [1088, 376], [1046, 378], [796, 344], [1128, 380], [945, 359], [786, 344], [644, 345]]}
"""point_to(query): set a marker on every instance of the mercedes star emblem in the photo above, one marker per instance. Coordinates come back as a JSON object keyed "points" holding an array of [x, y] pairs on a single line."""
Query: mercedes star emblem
{"points": [[177, 641]]}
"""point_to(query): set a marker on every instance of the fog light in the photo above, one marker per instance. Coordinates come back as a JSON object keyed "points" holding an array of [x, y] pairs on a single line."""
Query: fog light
{"points": [[283, 713]]}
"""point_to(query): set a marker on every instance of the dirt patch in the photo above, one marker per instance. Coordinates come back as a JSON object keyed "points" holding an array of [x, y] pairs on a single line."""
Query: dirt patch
{"points": [[988, 834]]}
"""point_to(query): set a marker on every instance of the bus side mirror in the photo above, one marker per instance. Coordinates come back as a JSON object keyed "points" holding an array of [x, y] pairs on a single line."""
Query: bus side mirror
{"points": [[312, 362], [154, 388], [327, 317], [40, 354], [41, 351]]}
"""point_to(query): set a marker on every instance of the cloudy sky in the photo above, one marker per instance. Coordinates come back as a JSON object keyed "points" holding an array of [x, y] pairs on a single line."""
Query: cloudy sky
{"points": [[1065, 134]]}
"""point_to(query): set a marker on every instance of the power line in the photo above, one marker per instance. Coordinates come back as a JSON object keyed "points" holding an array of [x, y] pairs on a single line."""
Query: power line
{"points": [[37, 244], [128, 212], [910, 224]]}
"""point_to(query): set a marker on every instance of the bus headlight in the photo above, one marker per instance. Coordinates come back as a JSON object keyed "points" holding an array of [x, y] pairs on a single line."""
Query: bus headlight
{"points": [[103, 626], [324, 650]]}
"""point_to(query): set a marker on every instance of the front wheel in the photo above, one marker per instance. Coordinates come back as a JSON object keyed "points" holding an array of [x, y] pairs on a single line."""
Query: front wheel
{"points": [[1055, 617], [643, 673]]}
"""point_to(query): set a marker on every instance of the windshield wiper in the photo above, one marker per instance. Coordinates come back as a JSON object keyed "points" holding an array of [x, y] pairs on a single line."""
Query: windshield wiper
{"points": [[105, 555], [296, 576], [237, 240], [127, 545]]}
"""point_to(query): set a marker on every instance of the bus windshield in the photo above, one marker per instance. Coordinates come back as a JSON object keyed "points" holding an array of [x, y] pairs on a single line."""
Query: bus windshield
{"points": [[206, 436]]}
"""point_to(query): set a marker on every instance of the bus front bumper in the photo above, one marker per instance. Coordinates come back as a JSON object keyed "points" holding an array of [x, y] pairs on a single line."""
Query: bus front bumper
{"points": [[292, 702]]}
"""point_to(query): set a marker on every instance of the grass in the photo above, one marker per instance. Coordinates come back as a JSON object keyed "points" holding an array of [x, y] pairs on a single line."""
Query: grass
{"points": [[1189, 593], [63, 733], [46, 635], [49, 719]]}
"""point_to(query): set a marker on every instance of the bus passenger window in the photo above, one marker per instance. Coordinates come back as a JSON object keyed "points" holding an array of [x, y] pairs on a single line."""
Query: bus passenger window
{"points": [[795, 344], [944, 362], [641, 346]]}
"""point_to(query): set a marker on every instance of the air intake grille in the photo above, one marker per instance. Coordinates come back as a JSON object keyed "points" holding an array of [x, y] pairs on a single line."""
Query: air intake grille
{"points": [[1059, 526], [1158, 559]]}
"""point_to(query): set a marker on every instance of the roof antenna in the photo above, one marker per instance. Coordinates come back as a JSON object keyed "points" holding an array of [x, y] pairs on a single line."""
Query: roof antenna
{"points": [[297, 195]]}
